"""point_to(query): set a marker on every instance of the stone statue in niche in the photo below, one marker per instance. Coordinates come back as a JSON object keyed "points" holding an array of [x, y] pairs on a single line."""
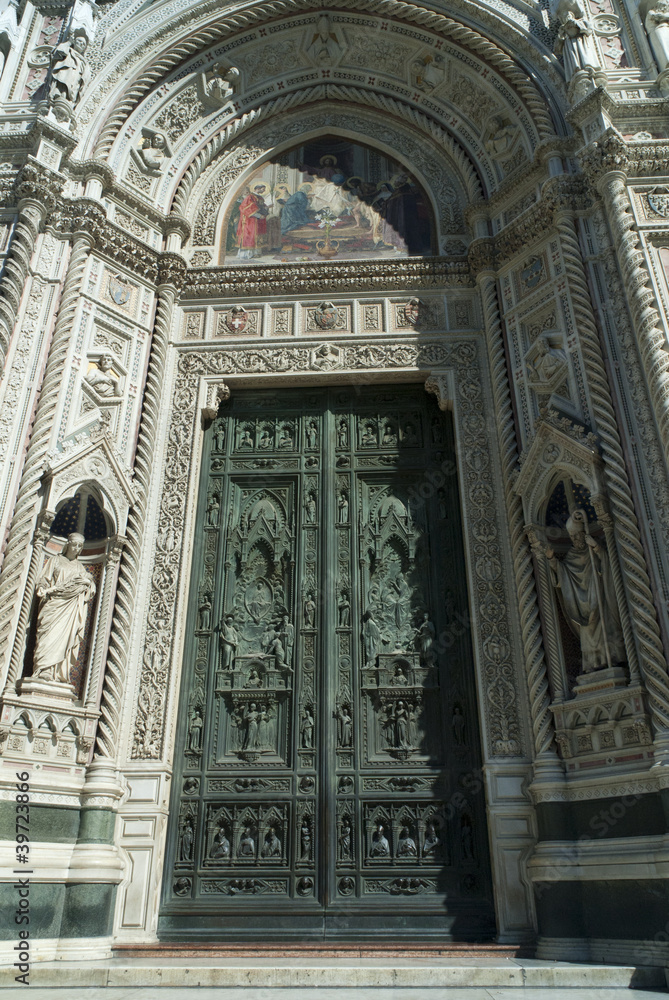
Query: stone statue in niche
{"points": [[213, 509], [64, 589], [310, 508], [229, 642], [657, 27], [406, 845], [248, 719], [266, 728], [342, 505], [307, 729], [70, 73], [195, 732], [584, 584], [342, 434], [575, 43], [309, 611], [312, 435], [380, 847], [221, 847], [546, 363], [431, 842], [102, 378], [345, 841], [219, 437], [253, 680]]}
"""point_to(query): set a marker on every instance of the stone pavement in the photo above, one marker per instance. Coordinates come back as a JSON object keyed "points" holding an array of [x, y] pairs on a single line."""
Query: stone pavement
{"points": [[425, 993]]}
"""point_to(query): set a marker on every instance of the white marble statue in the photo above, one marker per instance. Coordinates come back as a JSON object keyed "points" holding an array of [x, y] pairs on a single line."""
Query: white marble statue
{"points": [[64, 589], [101, 379], [575, 43], [585, 587], [69, 70], [657, 27], [153, 151]]}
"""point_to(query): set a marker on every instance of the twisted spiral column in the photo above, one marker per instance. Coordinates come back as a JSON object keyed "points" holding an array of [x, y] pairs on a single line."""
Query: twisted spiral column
{"points": [[28, 499], [17, 264], [546, 759], [126, 589], [645, 317], [633, 565]]}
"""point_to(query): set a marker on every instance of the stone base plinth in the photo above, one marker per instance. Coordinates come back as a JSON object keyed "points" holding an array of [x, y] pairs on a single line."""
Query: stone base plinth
{"points": [[600, 680]]}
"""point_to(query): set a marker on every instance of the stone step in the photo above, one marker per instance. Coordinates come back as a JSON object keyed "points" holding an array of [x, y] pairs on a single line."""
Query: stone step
{"points": [[212, 993], [347, 974]]}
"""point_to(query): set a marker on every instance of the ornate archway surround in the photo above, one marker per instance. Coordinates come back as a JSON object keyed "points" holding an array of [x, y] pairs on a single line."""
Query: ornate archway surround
{"points": [[454, 367]]}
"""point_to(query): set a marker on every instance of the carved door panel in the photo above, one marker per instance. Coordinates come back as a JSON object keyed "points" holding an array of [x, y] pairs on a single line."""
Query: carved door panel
{"points": [[328, 761]]}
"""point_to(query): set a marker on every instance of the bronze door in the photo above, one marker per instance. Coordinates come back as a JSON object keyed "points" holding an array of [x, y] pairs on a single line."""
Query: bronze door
{"points": [[327, 778]]}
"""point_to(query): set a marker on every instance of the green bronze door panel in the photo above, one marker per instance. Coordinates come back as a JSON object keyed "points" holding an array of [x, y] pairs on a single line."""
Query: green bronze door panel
{"points": [[328, 763]]}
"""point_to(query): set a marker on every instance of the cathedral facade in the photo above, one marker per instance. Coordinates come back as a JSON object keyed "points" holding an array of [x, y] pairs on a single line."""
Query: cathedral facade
{"points": [[334, 499]]}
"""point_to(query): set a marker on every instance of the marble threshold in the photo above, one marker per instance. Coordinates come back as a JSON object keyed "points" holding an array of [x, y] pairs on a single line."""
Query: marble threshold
{"points": [[344, 973]]}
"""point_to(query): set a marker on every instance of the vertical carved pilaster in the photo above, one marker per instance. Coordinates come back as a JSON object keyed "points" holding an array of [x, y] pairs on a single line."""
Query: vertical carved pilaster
{"points": [[114, 549], [550, 632], [632, 559], [172, 273], [546, 759], [645, 316], [27, 501]]}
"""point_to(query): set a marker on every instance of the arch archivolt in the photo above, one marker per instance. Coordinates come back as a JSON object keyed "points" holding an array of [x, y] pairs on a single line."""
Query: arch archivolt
{"points": [[424, 159], [490, 84]]}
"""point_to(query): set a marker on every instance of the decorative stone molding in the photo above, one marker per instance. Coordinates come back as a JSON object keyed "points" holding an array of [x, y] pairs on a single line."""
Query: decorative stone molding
{"points": [[216, 393], [491, 610]]}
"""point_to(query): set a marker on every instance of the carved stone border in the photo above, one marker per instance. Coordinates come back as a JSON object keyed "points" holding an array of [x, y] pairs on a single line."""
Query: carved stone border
{"points": [[458, 364]]}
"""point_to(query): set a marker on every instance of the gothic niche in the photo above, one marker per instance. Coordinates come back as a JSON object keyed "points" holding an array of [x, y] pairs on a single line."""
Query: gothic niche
{"points": [[67, 592], [579, 561], [256, 633], [397, 635], [329, 199]]}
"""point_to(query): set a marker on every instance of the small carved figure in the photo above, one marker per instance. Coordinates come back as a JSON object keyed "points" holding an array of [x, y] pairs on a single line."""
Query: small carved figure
{"points": [[278, 652], [305, 841], [288, 635], [245, 440], [64, 589], [187, 838], [310, 508], [344, 607], [263, 728], [345, 844], [221, 845], [575, 43], [307, 729], [286, 437], [389, 438], [501, 138], [254, 680], [247, 845], [272, 846], [399, 678], [401, 726], [369, 435], [312, 435], [309, 611], [195, 734], [342, 427], [69, 70], [657, 26], [409, 436], [432, 841], [229, 642], [425, 634], [380, 846], [251, 720], [265, 440], [371, 636], [153, 152], [213, 508], [458, 726], [585, 587], [466, 838], [219, 437], [344, 726], [547, 361], [100, 379], [324, 46], [204, 615], [406, 845], [221, 82], [342, 505]]}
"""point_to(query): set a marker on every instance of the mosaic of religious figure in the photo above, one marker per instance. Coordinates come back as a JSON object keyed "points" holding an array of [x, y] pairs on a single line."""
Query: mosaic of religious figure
{"points": [[333, 198]]}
